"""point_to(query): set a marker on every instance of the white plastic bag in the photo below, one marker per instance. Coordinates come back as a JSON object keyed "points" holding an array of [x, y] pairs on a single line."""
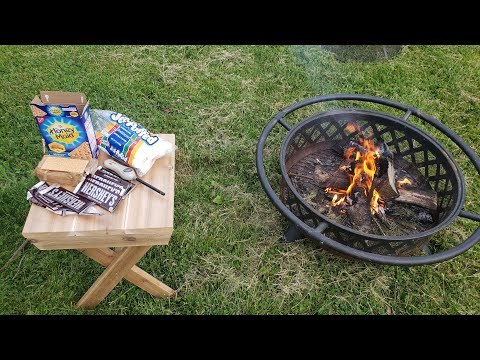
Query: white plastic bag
{"points": [[128, 141]]}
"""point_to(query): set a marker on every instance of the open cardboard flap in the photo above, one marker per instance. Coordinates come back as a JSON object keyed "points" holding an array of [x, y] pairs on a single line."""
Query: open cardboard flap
{"points": [[63, 98]]}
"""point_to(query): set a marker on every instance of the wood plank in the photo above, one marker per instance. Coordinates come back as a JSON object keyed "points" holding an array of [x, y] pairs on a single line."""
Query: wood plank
{"points": [[94, 235], [142, 212], [149, 210], [42, 220], [135, 275], [103, 256], [80, 242], [149, 283], [106, 224], [112, 275]]}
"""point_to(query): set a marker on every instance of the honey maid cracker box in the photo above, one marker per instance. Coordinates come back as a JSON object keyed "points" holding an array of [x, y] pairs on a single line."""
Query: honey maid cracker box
{"points": [[64, 121]]}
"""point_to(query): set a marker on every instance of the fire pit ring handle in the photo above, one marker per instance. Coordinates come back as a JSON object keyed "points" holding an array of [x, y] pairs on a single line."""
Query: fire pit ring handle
{"points": [[360, 254]]}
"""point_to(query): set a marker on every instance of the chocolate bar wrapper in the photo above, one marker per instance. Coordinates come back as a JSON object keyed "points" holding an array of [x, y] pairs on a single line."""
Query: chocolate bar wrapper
{"points": [[89, 211], [35, 197], [38, 199], [102, 194], [106, 184], [69, 200], [49, 203], [104, 188], [108, 175]]}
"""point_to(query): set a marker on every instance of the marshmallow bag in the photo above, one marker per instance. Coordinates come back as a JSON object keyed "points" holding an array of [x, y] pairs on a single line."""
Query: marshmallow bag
{"points": [[128, 141]]}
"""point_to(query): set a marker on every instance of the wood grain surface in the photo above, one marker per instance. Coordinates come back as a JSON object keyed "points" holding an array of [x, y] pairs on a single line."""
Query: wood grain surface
{"points": [[144, 217]]}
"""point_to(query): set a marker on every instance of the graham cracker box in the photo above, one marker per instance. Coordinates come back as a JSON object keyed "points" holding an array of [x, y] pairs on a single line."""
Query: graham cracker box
{"points": [[64, 121]]}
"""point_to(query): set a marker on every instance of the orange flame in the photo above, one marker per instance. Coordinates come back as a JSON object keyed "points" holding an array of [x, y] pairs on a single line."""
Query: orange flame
{"points": [[376, 202], [336, 202], [403, 182], [349, 152], [352, 127], [363, 172]]}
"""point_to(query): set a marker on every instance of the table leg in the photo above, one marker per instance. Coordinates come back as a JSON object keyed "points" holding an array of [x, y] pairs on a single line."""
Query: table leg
{"points": [[135, 275], [112, 275]]}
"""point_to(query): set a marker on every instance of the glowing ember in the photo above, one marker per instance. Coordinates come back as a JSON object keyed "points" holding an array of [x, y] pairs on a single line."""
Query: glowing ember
{"points": [[403, 182]]}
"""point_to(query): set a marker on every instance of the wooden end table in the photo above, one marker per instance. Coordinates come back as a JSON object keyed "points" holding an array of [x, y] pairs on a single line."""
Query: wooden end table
{"points": [[143, 219]]}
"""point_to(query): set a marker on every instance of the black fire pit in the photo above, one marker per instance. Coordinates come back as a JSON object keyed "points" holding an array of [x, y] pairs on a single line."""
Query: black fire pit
{"points": [[304, 141]]}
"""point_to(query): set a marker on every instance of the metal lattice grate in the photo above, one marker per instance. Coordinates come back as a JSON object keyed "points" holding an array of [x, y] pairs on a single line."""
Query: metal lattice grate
{"points": [[404, 141]]}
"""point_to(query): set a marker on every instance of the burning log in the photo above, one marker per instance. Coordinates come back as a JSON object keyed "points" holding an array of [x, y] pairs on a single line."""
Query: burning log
{"points": [[338, 179], [424, 198], [359, 215], [405, 169], [356, 146], [385, 162], [386, 183]]}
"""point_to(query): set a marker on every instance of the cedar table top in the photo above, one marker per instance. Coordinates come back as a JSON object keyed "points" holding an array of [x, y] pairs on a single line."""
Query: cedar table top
{"points": [[143, 218]]}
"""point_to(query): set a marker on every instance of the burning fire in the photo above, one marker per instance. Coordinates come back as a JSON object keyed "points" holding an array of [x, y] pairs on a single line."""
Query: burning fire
{"points": [[352, 127], [376, 204], [403, 182], [364, 159], [336, 202]]}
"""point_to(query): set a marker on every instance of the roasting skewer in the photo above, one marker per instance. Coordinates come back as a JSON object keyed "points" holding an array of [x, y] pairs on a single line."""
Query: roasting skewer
{"points": [[127, 173]]}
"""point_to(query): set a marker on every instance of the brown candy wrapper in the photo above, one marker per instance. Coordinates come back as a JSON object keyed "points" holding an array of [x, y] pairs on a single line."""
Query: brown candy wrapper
{"points": [[36, 195], [105, 189], [66, 198]]}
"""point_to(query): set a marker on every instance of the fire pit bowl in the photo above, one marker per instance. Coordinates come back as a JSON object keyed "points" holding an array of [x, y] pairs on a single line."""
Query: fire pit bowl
{"points": [[304, 141]]}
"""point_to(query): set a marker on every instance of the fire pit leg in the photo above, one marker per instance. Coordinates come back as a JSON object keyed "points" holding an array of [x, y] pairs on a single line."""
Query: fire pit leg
{"points": [[427, 250], [292, 234]]}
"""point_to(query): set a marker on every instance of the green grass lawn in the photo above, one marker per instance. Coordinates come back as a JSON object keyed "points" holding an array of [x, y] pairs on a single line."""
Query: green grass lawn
{"points": [[225, 256]]}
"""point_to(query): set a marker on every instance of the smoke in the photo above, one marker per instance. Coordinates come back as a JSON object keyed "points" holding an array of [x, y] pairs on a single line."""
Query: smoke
{"points": [[334, 69], [363, 53]]}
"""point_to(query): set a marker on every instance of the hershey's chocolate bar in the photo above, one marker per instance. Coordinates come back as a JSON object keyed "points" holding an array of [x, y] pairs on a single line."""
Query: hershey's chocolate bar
{"points": [[51, 204], [104, 188], [107, 197], [111, 177], [110, 182], [71, 201], [38, 199], [35, 197], [107, 185]]}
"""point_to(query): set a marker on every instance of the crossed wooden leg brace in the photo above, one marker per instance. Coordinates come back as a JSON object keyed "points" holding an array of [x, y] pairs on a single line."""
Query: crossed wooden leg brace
{"points": [[120, 265]]}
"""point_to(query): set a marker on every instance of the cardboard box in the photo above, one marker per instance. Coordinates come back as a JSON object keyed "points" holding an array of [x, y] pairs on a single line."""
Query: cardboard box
{"points": [[64, 121], [64, 171]]}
